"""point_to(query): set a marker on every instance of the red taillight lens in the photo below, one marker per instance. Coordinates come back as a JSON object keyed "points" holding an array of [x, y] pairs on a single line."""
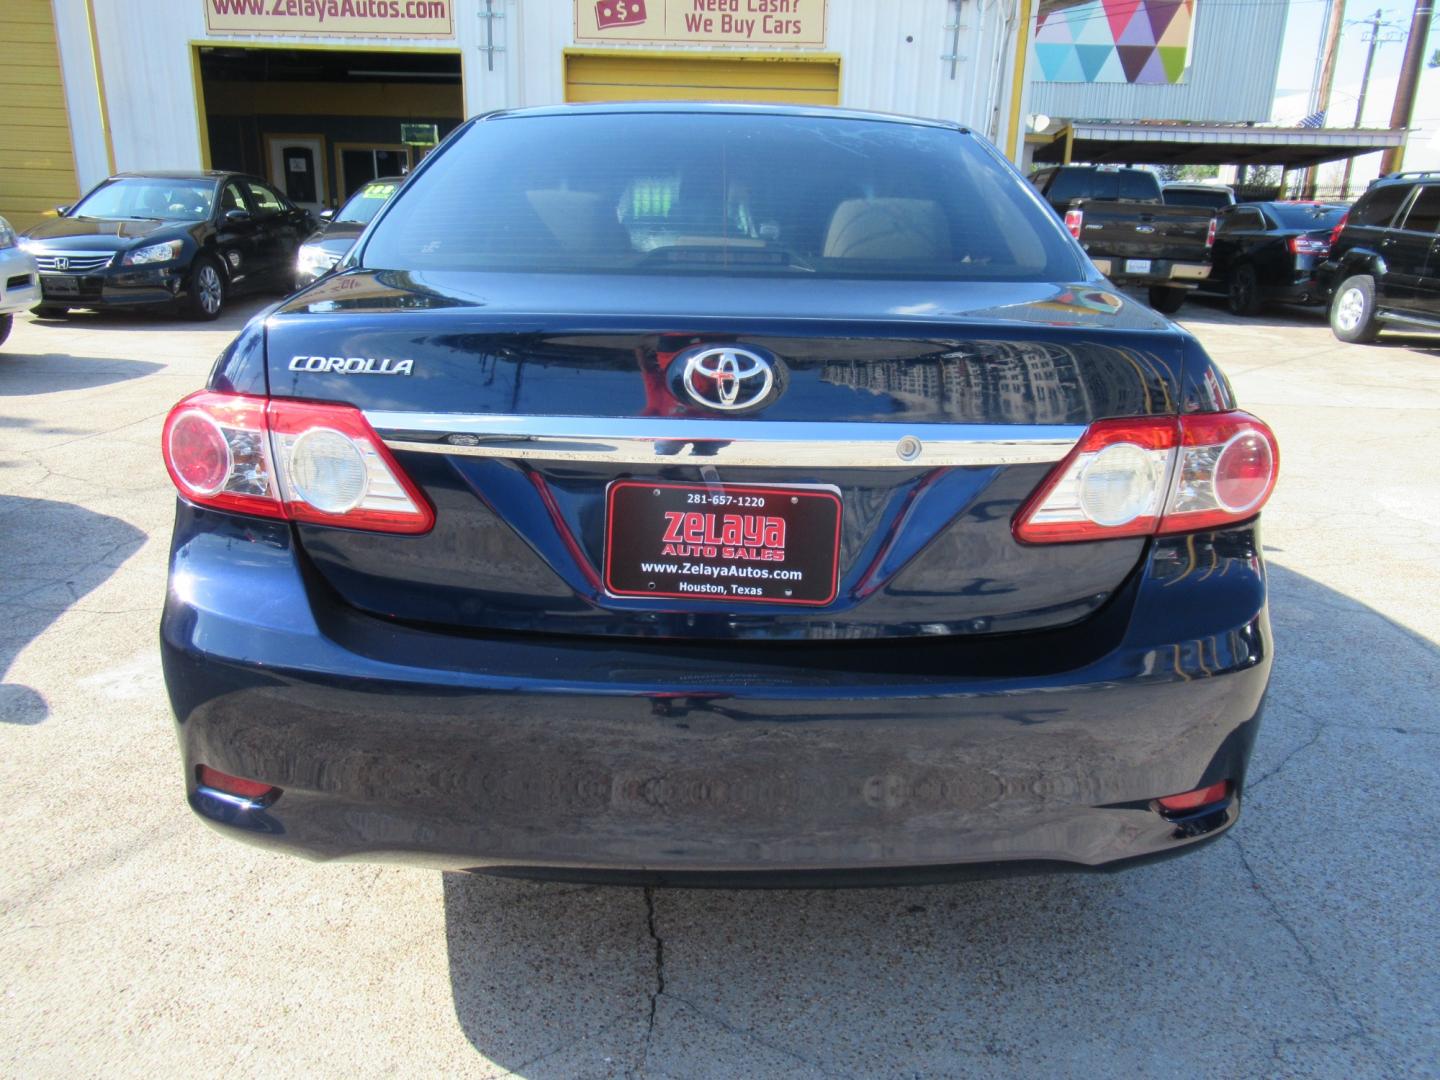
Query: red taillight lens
{"points": [[1225, 471], [1075, 221], [217, 450], [1307, 245], [1210, 232], [234, 785], [1153, 475], [299, 460], [200, 453], [1193, 800], [1335, 232]]}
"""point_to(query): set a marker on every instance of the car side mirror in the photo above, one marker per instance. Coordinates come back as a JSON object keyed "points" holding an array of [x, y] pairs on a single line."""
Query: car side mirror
{"points": [[327, 213], [62, 210], [237, 216]]}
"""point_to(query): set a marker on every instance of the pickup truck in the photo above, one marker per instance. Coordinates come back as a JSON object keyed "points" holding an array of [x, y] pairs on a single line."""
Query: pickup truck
{"points": [[1120, 218]]}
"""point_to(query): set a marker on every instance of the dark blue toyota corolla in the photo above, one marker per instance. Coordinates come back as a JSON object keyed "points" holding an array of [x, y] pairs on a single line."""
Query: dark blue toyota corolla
{"points": [[717, 494]]}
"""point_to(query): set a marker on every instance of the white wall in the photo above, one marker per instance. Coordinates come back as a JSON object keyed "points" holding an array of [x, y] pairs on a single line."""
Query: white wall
{"points": [[879, 68], [82, 96], [145, 50]]}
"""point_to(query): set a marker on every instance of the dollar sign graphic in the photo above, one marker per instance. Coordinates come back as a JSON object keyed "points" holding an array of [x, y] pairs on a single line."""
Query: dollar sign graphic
{"points": [[622, 10]]}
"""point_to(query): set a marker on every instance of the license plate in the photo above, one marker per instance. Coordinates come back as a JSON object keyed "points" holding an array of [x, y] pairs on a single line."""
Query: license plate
{"points": [[59, 285], [725, 542], [1137, 266]]}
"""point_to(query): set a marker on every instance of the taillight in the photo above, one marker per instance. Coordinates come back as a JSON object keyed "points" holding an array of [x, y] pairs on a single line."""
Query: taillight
{"points": [[1075, 221], [1210, 232], [1335, 232], [1307, 245], [1153, 476], [297, 460]]}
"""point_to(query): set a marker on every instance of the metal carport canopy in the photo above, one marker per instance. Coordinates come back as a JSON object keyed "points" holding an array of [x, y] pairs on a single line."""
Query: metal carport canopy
{"points": [[1221, 144]]}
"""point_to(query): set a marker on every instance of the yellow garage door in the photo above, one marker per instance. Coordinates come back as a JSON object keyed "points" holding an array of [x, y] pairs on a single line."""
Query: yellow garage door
{"points": [[37, 167], [617, 76]]}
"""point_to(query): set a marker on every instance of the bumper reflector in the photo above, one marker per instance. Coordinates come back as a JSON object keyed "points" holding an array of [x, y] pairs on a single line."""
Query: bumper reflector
{"points": [[1193, 800], [238, 786]]}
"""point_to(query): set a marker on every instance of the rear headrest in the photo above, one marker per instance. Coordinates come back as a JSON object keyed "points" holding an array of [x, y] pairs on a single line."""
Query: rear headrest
{"points": [[887, 229], [580, 221]]}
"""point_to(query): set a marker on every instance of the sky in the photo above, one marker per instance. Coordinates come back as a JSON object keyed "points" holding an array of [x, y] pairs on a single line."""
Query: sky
{"points": [[1304, 37]]}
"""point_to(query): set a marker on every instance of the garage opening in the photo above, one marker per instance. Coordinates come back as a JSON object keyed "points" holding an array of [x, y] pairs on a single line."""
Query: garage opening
{"points": [[318, 123], [768, 77]]}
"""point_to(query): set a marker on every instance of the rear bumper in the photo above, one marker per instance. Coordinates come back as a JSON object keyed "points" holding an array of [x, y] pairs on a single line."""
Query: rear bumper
{"points": [[704, 763], [1162, 271]]}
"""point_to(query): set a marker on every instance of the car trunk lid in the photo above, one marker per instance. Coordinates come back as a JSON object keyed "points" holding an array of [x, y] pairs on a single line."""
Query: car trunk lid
{"points": [[555, 436]]}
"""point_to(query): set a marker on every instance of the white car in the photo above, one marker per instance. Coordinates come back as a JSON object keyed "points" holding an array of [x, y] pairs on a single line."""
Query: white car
{"points": [[19, 287]]}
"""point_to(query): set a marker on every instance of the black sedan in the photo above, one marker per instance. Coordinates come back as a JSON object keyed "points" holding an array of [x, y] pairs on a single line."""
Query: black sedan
{"points": [[179, 238], [1269, 252], [734, 493], [339, 229]]}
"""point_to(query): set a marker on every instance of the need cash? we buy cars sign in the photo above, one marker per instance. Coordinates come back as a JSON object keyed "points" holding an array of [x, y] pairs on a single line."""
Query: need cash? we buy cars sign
{"points": [[333, 18], [711, 22]]}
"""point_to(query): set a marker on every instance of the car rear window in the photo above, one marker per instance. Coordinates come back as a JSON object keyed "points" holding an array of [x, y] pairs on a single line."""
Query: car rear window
{"points": [[664, 193], [1299, 216], [1208, 200]]}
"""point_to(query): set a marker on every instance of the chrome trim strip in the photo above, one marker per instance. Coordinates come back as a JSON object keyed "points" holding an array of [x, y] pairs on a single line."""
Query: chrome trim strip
{"points": [[762, 443]]}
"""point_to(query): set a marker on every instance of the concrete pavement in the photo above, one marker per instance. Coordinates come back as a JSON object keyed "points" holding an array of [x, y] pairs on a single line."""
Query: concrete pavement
{"points": [[133, 939]]}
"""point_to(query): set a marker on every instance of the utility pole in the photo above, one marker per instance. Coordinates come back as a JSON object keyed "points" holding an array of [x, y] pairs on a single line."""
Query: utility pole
{"points": [[1321, 100], [1409, 81], [1375, 22]]}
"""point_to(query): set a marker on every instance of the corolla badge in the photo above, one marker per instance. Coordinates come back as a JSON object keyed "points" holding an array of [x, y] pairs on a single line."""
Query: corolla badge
{"points": [[352, 365], [726, 377]]}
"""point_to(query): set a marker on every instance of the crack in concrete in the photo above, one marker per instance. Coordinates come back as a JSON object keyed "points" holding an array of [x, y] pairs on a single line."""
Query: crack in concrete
{"points": [[659, 969], [1320, 729], [750, 1036], [1356, 1029]]}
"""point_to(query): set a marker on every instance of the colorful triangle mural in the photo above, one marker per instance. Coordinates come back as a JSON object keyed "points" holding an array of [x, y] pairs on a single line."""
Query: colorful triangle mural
{"points": [[1146, 42]]}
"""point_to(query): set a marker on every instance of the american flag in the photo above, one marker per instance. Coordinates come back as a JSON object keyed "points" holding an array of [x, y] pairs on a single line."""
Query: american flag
{"points": [[1314, 120]]}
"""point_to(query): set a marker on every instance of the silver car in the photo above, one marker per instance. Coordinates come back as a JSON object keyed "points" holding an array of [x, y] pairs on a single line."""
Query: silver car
{"points": [[19, 287]]}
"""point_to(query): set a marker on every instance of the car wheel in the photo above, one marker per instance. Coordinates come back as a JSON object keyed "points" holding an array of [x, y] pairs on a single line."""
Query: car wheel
{"points": [[1352, 312], [1166, 299], [50, 311], [1244, 290], [6, 322], [207, 289]]}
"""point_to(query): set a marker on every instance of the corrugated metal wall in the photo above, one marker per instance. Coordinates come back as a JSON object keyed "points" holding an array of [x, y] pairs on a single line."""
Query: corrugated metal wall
{"points": [[37, 168], [890, 60], [879, 69], [1233, 67]]}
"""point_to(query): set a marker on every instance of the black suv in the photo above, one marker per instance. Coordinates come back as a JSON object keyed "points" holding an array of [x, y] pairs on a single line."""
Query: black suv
{"points": [[1384, 265]]}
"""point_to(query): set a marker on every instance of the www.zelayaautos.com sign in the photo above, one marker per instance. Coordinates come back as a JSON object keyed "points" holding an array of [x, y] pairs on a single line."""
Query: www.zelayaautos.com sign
{"points": [[333, 18]]}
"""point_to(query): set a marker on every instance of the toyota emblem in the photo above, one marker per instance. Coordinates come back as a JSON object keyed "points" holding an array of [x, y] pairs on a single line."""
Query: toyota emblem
{"points": [[727, 378]]}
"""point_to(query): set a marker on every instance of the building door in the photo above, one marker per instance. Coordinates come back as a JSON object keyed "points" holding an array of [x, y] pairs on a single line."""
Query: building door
{"points": [[683, 76], [359, 164], [297, 168]]}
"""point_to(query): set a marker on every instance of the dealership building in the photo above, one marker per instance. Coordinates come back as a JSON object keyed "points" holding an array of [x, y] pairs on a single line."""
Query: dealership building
{"points": [[319, 96]]}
